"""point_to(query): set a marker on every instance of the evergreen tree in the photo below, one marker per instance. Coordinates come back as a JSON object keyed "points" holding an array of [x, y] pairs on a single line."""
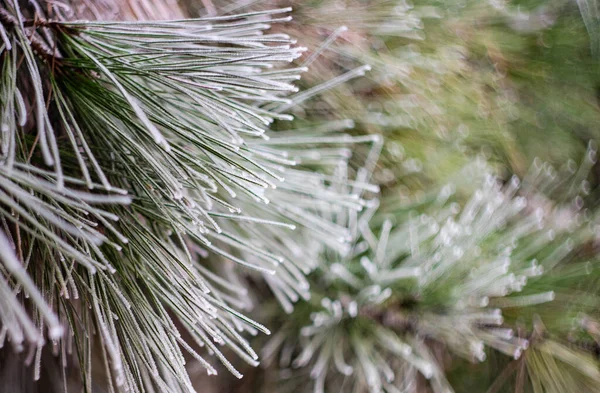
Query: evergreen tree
{"points": [[208, 194]]}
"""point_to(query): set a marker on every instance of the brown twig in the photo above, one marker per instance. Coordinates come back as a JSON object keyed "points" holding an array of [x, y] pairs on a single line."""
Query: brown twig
{"points": [[38, 45], [392, 317]]}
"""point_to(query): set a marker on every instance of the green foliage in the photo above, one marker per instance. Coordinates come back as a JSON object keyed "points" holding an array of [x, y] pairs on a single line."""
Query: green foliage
{"points": [[442, 278], [156, 134], [162, 182]]}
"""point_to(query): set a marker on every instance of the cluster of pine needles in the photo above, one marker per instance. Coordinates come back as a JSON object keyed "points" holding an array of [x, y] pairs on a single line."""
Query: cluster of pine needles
{"points": [[345, 201]]}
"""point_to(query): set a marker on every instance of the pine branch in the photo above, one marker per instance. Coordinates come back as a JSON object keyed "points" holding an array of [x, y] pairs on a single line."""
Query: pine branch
{"points": [[445, 280], [175, 114]]}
